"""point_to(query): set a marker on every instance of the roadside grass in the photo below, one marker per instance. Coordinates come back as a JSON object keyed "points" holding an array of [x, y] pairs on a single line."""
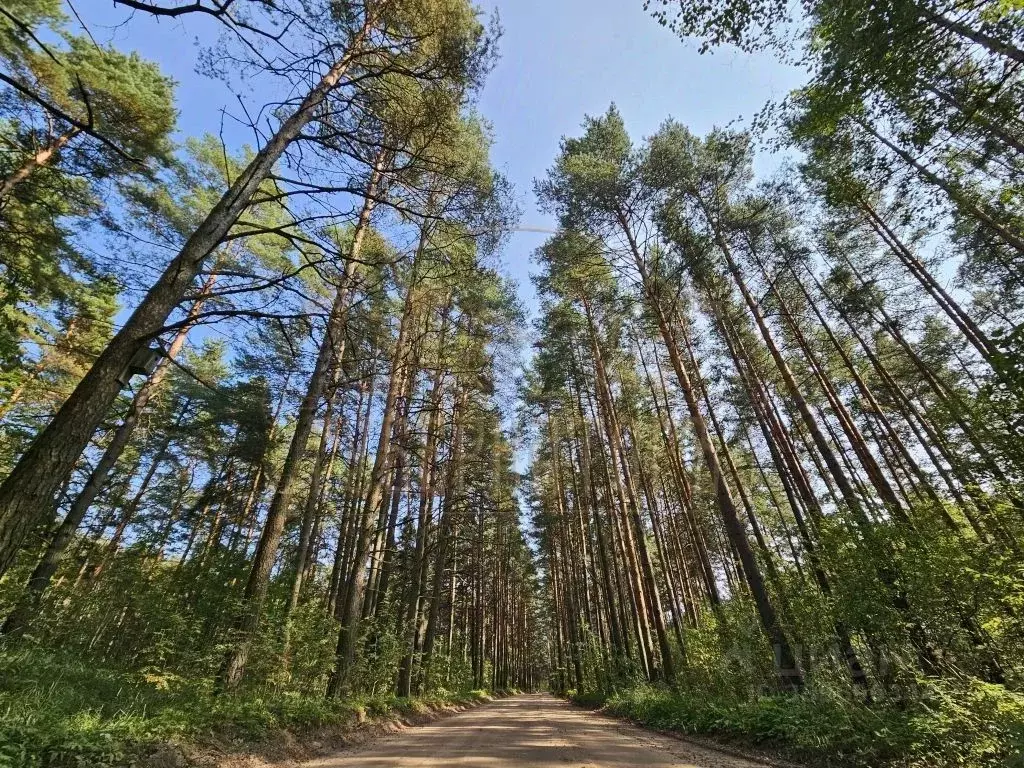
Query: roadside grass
{"points": [[56, 712], [951, 724]]}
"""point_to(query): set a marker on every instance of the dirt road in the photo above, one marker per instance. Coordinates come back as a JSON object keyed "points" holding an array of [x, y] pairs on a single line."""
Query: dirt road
{"points": [[535, 731]]}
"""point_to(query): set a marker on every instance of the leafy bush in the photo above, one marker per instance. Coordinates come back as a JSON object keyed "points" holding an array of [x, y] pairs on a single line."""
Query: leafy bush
{"points": [[59, 713], [953, 723]]}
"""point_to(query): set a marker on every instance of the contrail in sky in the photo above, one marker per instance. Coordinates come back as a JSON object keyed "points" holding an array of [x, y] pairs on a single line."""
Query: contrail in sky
{"points": [[542, 230]]}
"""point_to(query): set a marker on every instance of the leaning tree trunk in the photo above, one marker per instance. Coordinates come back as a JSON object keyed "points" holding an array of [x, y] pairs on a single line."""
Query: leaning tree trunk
{"points": [[27, 494], [637, 557], [351, 605], [45, 569], [452, 482], [790, 677], [956, 27], [309, 511], [418, 567], [589, 495], [797, 494], [40, 159], [959, 196], [332, 348]]}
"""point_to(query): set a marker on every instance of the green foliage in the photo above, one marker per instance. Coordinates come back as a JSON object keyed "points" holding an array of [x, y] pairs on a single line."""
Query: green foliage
{"points": [[123, 641], [28, 15], [53, 175], [57, 713], [899, 594], [132, 102], [953, 724]]}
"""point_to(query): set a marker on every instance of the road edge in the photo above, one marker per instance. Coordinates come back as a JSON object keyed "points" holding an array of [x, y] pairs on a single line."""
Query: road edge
{"points": [[704, 742], [289, 749]]}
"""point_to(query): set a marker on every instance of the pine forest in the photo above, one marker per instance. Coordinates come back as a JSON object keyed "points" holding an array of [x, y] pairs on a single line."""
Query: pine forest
{"points": [[305, 421]]}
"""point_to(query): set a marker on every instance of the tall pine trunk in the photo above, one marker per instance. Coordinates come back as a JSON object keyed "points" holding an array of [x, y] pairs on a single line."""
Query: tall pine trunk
{"points": [[27, 494]]}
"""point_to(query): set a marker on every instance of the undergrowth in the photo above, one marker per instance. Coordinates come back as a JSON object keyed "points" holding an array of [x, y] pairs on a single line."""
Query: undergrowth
{"points": [[59, 713], [950, 724]]}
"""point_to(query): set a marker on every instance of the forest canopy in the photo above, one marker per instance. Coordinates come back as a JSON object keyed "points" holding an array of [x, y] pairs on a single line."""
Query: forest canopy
{"points": [[281, 440]]}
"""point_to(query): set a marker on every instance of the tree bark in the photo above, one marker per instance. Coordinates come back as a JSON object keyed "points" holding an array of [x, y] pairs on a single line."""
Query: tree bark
{"points": [[351, 606], [27, 494], [40, 159], [332, 348]]}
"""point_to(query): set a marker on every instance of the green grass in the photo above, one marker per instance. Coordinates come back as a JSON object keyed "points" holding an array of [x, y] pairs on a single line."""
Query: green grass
{"points": [[57, 713], [961, 724]]}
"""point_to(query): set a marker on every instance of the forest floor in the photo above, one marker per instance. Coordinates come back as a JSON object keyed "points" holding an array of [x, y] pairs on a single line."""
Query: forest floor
{"points": [[56, 712], [531, 731]]}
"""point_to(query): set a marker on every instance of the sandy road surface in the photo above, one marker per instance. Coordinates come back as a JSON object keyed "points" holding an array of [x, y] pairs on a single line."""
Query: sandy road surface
{"points": [[529, 732]]}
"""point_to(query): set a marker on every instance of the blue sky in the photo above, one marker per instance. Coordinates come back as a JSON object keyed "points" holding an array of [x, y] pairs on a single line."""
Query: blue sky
{"points": [[560, 60]]}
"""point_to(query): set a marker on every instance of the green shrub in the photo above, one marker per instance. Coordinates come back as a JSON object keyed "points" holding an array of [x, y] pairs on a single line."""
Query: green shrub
{"points": [[960, 723], [59, 713]]}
